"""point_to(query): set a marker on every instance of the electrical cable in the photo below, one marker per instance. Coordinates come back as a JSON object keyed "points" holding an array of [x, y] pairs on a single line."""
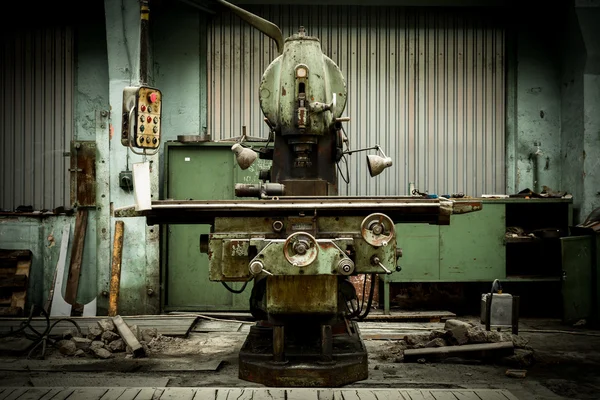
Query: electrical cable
{"points": [[38, 338], [368, 308], [236, 291]]}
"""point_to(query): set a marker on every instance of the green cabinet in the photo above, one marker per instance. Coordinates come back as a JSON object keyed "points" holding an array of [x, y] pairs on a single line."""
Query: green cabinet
{"points": [[474, 246], [202, 171]]}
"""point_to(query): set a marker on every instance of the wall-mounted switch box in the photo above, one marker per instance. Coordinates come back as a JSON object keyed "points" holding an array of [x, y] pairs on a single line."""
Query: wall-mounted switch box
{"points": [[126, 180]]}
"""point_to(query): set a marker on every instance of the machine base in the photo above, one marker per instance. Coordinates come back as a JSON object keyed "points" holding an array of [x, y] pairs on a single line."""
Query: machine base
{"points": [[303, 365]]}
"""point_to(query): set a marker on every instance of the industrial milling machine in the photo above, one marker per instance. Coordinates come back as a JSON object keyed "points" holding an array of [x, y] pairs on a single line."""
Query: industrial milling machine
{"points": [[296, 239]]}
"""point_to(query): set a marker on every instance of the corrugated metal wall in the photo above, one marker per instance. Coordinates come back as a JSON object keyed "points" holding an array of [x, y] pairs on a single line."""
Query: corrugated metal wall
{"points": [[428, 85], [36, 117]]}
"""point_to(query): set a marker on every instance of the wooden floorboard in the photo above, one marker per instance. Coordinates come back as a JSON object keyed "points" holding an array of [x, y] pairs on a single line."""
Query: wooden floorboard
{"points": [[167, 325], [190, 393]]}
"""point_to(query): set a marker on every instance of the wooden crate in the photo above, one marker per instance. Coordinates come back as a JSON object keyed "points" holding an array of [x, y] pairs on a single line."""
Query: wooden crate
{"points": [[14, 280]]}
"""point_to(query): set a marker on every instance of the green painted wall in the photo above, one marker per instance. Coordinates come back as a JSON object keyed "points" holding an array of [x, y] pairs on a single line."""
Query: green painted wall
{"points": [[572, 121], [534, 103]]}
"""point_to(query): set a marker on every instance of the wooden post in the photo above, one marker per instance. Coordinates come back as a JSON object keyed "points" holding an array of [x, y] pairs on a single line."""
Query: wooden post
{"points": [[76, 256], [115, 277]]}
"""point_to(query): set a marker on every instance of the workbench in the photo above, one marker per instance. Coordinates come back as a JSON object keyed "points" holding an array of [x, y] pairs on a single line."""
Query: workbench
{"points": [[474, 246]]}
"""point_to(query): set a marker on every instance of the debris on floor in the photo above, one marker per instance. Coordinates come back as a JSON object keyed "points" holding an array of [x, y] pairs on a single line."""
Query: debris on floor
{"points": [[107, 337], [462, 340]]}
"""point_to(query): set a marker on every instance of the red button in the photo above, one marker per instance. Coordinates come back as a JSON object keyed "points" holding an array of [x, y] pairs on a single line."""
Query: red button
{"points": [[152, 97], [143, 108], [149, 119]]}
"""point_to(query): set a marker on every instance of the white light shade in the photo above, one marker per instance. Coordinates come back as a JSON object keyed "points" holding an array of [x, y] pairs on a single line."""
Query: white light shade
{"points": [[243, 156], [377, 164]]}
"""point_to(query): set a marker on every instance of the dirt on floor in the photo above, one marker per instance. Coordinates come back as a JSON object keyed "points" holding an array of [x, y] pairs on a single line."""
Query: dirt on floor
{"points": [[561, 362]]}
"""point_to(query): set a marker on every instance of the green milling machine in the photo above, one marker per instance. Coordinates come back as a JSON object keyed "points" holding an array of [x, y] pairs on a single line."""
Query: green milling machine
{"points": [[297, 239]]}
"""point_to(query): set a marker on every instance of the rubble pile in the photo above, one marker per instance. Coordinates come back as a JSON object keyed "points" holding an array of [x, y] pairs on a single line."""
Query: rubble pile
{"points": [[458, 333], [102, 340]]}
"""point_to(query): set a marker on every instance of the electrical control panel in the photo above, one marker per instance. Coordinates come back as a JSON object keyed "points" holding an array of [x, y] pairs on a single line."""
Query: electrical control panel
{"points": [[142, 112]]}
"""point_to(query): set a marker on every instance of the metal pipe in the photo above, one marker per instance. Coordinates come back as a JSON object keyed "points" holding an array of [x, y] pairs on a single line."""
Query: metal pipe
{"points": [[266, 27], [144, 41], [115, 275]]}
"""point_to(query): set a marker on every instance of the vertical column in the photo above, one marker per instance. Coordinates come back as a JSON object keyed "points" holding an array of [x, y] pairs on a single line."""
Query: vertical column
{"points": [[103, 260]]}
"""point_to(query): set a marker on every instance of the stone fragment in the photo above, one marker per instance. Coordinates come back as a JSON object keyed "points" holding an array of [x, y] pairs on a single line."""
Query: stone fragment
{"points": [[516, 373], [109, 336], [96, 344], [69, 333], [439, 334], [106, 325], [455, 323], [477, 335], [81, 343], [94, 332], [522, 358], [103, 353], [458, 336], [67, 347], [116, 346], [413, 341], [149, 334], [437, 342], [79, 353]]}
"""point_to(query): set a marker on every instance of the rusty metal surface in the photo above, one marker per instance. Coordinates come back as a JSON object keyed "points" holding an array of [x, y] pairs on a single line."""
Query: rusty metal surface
{"points": [[115, 273], [297, 294], [399, 209], [304, 365], [83, 173]]}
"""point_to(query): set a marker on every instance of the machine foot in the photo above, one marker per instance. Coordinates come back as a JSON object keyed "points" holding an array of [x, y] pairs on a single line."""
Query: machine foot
{"points": [[304, 364]]}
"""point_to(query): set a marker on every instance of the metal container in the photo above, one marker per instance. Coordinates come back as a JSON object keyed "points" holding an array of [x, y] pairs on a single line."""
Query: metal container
{"points": [[501, 309]]}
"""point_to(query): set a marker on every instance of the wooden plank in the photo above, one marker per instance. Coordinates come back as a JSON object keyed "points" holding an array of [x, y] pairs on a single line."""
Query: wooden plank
{"points": [[76, 256], [56, 394], [6, 392], [19, 297], [490, 395], [443, 395], [34, 393], [358, 395], [18, 392], [165, 325], [62, 394], [129, 394], [302, 394], [73, 380], [205, 394], [466, 395], [149, 394], [128, 337], [217, 326], [88, 393], [418, 394], [14, 282], [176, 393], [113, 393]]}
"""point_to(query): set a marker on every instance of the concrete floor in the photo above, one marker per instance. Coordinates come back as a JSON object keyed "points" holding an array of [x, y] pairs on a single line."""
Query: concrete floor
{"points": [[566, 365]]}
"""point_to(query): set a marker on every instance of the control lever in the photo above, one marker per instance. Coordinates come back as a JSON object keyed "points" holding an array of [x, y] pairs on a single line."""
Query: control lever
{"points": [[376, 261], [256, 267]]}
